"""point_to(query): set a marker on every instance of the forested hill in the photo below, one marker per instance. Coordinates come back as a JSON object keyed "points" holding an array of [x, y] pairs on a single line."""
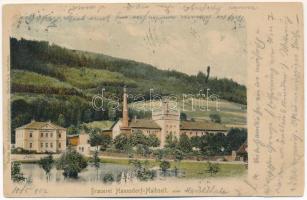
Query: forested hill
{"points": [[49, 82], [56, 62]]}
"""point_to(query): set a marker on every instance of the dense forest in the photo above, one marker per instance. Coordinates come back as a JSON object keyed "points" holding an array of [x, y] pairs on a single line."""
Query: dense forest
{"points": [[49, 82]]}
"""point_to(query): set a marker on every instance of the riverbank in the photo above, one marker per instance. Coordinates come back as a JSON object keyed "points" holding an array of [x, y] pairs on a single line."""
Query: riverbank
{"points": [[192, 168]]}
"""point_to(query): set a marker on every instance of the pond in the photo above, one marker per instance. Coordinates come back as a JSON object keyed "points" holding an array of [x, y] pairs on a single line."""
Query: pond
{"points": [[107, 172]]}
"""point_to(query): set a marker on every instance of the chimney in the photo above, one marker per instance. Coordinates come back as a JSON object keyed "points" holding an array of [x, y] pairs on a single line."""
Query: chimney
{"points": [[125, 109]]}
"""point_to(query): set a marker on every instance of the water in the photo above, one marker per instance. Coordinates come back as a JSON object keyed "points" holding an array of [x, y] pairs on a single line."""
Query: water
{"points": [[90, 174], [119, 173]]}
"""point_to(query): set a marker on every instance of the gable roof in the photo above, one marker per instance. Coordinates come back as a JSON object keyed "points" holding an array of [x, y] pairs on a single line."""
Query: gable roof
{"points": [[39, 125], [202, 125], [144, 123]]}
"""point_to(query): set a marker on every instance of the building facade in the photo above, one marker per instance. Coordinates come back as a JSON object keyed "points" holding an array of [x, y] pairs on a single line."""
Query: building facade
{"points": [[41, 137], [165, 121]]}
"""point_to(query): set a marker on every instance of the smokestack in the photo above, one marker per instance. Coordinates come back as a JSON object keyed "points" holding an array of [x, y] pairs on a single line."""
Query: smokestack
{"points": [[125, 109]]}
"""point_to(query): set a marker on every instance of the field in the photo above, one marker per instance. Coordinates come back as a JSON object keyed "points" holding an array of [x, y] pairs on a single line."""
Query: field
{"points": [[232, 114], [192, 169]]}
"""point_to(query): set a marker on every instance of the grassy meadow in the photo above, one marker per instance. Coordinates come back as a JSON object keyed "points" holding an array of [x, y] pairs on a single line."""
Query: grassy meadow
{"points": [[192, 169], [232, 114]]}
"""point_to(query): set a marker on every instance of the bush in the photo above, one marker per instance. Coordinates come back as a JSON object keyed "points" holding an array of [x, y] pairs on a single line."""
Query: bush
{"points": [[143, 173], [108, 178], [72, 163], [47, 164], [16, 174], [213, 168], [185, 143], [20, 150], [164, 166], [122, 142], [215, 118]]}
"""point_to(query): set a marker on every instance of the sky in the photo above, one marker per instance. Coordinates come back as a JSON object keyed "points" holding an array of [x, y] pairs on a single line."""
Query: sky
{"points": [[183, 45]]}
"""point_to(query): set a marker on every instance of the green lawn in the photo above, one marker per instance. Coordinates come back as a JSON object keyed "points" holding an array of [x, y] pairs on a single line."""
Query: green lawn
{"points": [[193, 169]]}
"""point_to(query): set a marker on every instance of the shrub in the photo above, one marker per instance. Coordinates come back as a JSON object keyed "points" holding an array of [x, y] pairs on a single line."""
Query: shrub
{"points": [[213, 168], [108, 178], [46, 163], [16, 174], [164, 166], [72, 163]]}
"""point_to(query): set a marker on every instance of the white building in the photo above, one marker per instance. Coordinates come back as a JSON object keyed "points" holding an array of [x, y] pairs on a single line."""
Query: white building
{"points": [[41, 137]]}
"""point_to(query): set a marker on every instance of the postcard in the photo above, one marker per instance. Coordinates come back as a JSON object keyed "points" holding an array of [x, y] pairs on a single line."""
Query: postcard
{"points": [[153, 99]]}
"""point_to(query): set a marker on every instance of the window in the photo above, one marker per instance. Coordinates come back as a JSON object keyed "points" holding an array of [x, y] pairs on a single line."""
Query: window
{"points": [[51, 134], [46, 145], [42, 134], [51, 145], [46, 134], [30, 134], [42, 145], [59, 135], [59, 144], [30, 145]]}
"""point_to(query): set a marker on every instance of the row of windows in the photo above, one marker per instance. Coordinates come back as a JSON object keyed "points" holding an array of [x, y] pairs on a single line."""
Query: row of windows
{"points": [[195, 133], [46, 135], [46, 145], [172, 126]]}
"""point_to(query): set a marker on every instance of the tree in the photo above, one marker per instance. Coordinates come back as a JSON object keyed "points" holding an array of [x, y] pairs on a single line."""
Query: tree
{"points": [[185, 143], [164, 166], [171, 141], [108, 178], [96, 162], [138, 138], [208, 74], [195, 141], [143, 150], [16, 174], [216, 118], [178, 157], [72, 163], [142, 170], [206, 144], [153, 141], [183, 116], [61, 120], [46, 164], [235, 138], [213, 168], [71, 130], [99, 139], [159, 154], [122, 142]]}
